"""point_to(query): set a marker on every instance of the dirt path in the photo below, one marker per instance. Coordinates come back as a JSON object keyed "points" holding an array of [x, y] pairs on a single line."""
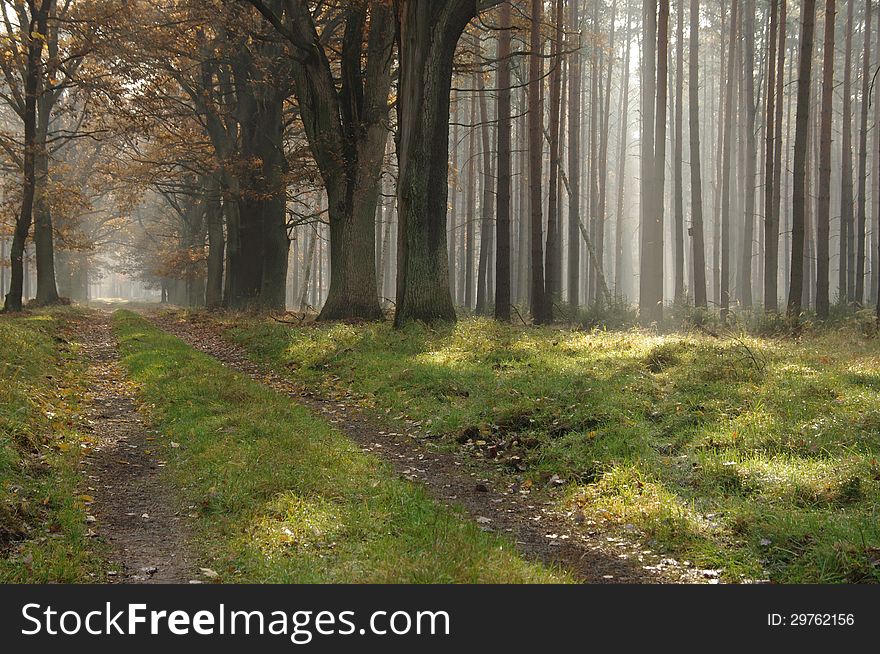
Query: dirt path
{"points": [[131, 510], [540, 533]]}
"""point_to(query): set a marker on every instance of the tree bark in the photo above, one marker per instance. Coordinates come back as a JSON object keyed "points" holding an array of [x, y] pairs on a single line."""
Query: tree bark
{"points": [[846, 179], [726, 146], [574, 157], [37, 25], [824, 202], [862, 215], [698, 242], [502, 196], [539, 304], [428, 31], [801, 134]]}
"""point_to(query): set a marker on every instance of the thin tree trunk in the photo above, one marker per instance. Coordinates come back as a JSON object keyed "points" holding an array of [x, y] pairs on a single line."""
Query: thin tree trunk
{"points": [[650, 240], [862, 215], [540, 315], [574, 157], [502, 197], [799, 198], [698, 243], [678, 151], [726, 146], [824, 204], [846, 179]]}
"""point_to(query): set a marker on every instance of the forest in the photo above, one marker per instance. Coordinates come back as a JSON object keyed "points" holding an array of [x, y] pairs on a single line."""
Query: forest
{"points": [[439, 291]]}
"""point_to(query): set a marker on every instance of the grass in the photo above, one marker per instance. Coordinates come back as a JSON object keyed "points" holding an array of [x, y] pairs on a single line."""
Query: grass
{"points": [[276, 495], [43, 533], [757, 456]]}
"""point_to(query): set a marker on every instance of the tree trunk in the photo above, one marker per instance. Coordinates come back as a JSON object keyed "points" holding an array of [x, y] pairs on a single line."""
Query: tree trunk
{"points": [[37, 25], [698, 243], [859, 292], [540, 314], [485, 205], [744, 281], [678, 151], [428, 31], [846, 178], [621, 160], [44, 241], [801, 134], [774, 98], [824, 203], [553, 246], [502, 197], [216, 246], [726, 146], [651, 230], [574, 157]]}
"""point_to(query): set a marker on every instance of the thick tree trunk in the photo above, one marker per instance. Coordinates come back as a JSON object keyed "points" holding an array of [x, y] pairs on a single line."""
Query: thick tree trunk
{"points": [[801, 134], [697, 233], [44, 239], [824, 203], [37, 25], [428, 31], [502, 197]]}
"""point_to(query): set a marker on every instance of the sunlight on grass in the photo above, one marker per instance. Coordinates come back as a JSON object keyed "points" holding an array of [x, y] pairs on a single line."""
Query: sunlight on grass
{"points": [[736, 440], [43, 534], [278, 496]]}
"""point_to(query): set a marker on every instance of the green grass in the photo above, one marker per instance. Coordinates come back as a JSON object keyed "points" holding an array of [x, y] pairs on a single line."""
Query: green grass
{"points": [[43, 534], [757, 456], [276, 495]]}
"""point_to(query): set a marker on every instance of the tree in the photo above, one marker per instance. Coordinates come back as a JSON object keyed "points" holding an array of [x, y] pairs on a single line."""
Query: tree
{"points": [[651, 235], [772, 134], [698, 239], [824, 203], [867, 74], [845, 286], [574, 157], [428, 32], [347, 128], [799, 199], [726, 164], [502, 195], [36, 21], [678, 150], [539, 302]]}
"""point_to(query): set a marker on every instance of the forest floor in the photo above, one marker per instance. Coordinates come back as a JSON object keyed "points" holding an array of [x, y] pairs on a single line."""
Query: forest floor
{"points": [[132, 509], [527, 516], [745, 457], [175, 446]]}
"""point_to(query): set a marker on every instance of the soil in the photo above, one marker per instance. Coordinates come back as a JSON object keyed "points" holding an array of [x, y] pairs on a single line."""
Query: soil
{"points": [[131, 510]]}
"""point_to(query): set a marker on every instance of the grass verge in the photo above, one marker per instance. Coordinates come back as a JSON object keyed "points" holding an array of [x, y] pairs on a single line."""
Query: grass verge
{"points": [[755, 456], [278, 496], [43, 533]]}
